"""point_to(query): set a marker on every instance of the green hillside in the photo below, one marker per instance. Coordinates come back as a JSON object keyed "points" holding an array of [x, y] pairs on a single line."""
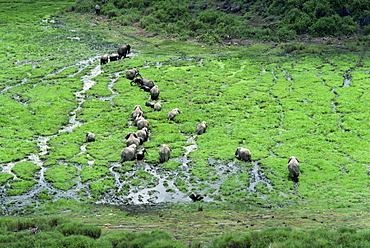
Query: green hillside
{"points": [[217, 21]]}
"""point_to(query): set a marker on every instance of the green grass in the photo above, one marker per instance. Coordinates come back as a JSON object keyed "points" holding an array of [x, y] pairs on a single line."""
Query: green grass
{"points": [[275, 104]]}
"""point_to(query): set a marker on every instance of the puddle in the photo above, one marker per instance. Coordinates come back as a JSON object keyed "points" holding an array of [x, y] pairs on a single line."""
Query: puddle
{"points": [[257, 177], [184, 159], [347, 79]]}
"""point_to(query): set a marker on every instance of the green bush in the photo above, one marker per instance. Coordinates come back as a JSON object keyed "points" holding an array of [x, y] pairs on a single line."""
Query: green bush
{"points": [[286, 34], [326, 26], [74, 228], [85, 6], [296, 20]]}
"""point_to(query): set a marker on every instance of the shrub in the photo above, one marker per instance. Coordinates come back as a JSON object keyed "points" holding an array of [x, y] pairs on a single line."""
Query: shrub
{"points": [[286, 34], [83, 242], [85, 6], [348, 26], [232, 240], [296, 20], [326, 26], [74, 228]]}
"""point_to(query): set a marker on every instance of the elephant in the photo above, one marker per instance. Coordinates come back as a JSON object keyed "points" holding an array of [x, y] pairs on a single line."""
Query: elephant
{"points": [[104, 59], [132, 73], [113, 57], [293, 167], [90, 137], [143, 134], [145, 88], [143, 82], [140, 154], [123, 51], [164, 153], [196, 198], [243, 154], [97, 9], [132, 139], [128, 153], [154, 92], [156, 106], [173, 113], [137, 112], [201, 127], [141, 123]]}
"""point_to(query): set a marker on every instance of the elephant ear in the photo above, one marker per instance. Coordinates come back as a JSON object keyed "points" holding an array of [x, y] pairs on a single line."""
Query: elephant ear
{"points": [[128, 135]]}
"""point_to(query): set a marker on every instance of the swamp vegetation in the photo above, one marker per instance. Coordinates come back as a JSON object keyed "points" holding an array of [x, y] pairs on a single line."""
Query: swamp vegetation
{"points": [[276, 99]]}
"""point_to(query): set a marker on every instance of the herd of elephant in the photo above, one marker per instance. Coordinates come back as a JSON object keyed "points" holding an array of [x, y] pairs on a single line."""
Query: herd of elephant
{"points": [[134, 139]]}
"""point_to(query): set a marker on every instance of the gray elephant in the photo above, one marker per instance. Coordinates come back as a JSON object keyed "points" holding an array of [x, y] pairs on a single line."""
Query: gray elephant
{"points": [[128, 153], [164, 153], [243, 154], [123, 51], [104, 59], [143, 83], [90, 137], [141, 153], [156, 106], [137, 112], [132, 73], [173, 113], [143, 135], [97, 9], [154, 92], [141, 123], [113, 57], [196, 198], [293, 167], [132, 139], [201, 127]]}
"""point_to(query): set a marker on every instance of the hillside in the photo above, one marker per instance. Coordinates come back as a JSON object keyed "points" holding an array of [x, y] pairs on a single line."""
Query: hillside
{"points": [[224, 21]]}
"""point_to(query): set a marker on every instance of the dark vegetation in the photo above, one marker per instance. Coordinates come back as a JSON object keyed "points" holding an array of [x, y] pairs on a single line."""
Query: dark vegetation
{"points": [[215, 21], [57, 232]]}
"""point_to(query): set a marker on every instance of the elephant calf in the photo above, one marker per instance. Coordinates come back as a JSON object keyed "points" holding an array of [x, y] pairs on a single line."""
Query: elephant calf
{"points": [[293, 167], [141, 153], [132, 73], [154, 92], [137, 112], [173, 113], [90, 137], [113, 57], [156, 106], [143, 83], [201, 127], [104, 59], [243, 154], [142, 123], [143, 134], [164, 153], [128, 153], [132, 139]]}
